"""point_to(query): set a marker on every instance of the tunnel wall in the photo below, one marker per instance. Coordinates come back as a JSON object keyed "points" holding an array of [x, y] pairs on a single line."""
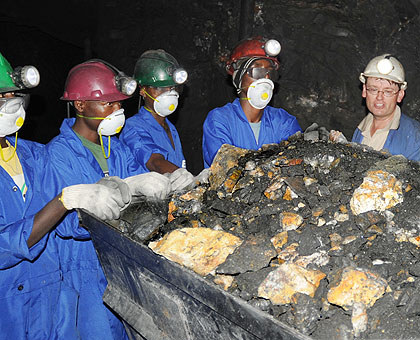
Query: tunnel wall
{"points": [[325, 46]]}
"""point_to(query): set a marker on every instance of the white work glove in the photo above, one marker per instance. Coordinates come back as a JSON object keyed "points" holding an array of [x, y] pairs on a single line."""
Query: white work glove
{"points": [[150, 184], [114, 182], [99, 200], [181, 179], [203, 176]]}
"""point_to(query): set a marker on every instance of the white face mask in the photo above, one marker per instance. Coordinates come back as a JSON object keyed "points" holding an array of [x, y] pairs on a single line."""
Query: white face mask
{"points": [[260, 92], [12, 115], [112, 124], [166, 103]]}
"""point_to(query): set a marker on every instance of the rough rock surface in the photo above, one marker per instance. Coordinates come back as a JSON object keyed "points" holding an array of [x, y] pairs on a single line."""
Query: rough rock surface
{"points": [[323, 236], [325, 46]]}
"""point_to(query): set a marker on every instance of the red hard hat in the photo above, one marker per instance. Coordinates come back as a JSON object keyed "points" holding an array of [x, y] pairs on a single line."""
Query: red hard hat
{"points": [[92, 80], [252, 47]]}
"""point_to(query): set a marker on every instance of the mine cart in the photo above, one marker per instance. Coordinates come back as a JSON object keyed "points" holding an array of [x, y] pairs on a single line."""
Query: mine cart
{"points": [[161, 300]]}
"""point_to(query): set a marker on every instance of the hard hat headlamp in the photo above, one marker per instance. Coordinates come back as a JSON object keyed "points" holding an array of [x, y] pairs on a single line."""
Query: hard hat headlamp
{"points": [[180, 76], [125, 84], [272, 48], [25, 77], [385, 66]]}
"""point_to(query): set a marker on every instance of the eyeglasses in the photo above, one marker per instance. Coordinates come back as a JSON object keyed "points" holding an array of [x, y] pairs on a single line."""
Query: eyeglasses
{"points": [[261, 72], [387, 93]]}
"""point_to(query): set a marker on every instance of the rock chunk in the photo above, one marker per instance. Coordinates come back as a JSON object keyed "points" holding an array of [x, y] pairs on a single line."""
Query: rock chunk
{"points": [[200, 249], [379, 191], [287, 280]]}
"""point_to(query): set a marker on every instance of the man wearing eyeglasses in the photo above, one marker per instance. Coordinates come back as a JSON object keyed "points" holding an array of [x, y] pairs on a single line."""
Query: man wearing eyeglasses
{"points": [[248, 122], [385, 127]]}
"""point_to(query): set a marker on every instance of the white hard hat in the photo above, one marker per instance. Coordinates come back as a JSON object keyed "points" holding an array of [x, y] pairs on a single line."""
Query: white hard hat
{"points": [[387, 67]]}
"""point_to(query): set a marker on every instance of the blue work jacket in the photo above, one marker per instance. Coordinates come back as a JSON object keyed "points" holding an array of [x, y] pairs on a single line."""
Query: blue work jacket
{"points": [[71, 163], [402, 141], [229, 125], [145, 136], [34, 302]]}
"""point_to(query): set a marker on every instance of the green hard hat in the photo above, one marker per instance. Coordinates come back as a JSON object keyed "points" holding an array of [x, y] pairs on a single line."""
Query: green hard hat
{"points": [[6, 81], [159, 69]]}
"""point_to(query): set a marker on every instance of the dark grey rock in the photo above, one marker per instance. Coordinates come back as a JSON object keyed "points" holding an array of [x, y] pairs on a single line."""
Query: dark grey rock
{"points": [[415, 269], [309, 241], [144, 217], [253, 254], [336, 326], [304, 313], [250, 281], [409, 302]]}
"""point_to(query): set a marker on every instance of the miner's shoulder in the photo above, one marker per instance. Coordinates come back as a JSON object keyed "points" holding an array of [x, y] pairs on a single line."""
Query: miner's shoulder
{"points": [[409, 122], [222, 111], [279, 113]]}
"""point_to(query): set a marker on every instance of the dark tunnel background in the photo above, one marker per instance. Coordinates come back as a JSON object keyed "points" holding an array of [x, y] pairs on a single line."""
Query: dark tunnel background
{"points": [[325, 46]]}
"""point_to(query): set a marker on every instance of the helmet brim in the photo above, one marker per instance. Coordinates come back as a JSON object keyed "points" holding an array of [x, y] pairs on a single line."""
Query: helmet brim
{"points": [[114, 97], [9, 89], [363, 78]]}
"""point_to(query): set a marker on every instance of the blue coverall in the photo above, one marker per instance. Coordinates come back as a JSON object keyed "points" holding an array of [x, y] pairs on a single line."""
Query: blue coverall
{"points": [[71, 163], [145, 136], [403, 141], [34, 301], [229, 125]]}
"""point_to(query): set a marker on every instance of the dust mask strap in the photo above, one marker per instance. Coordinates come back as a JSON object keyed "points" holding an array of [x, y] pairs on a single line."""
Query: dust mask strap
{"points": [[14, 150], [102, 146]]}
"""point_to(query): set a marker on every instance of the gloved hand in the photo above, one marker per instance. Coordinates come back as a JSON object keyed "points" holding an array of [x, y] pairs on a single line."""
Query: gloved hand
{"points": [[150, 184], [203, 176], [181, 179], [114, 182], [315, 133], [338, 137], [99, 200]]}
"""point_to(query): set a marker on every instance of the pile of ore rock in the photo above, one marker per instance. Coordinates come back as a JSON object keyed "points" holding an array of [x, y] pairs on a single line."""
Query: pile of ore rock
{"points": [[323, 236]]}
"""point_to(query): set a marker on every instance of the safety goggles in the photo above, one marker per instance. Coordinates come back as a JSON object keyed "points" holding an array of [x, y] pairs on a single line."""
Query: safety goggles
{"points": [[13, 104], [262, 72], [160, 90]]}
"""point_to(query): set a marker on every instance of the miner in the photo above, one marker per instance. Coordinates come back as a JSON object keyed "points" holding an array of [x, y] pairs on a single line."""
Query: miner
{"points": [[248, 122], [385, 126], [152, 138], [35, 301], [87, 151]]}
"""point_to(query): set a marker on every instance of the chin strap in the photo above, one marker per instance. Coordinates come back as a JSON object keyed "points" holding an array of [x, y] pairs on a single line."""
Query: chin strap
{"points": [[14, 150], [151, 111], [97, 118]]}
